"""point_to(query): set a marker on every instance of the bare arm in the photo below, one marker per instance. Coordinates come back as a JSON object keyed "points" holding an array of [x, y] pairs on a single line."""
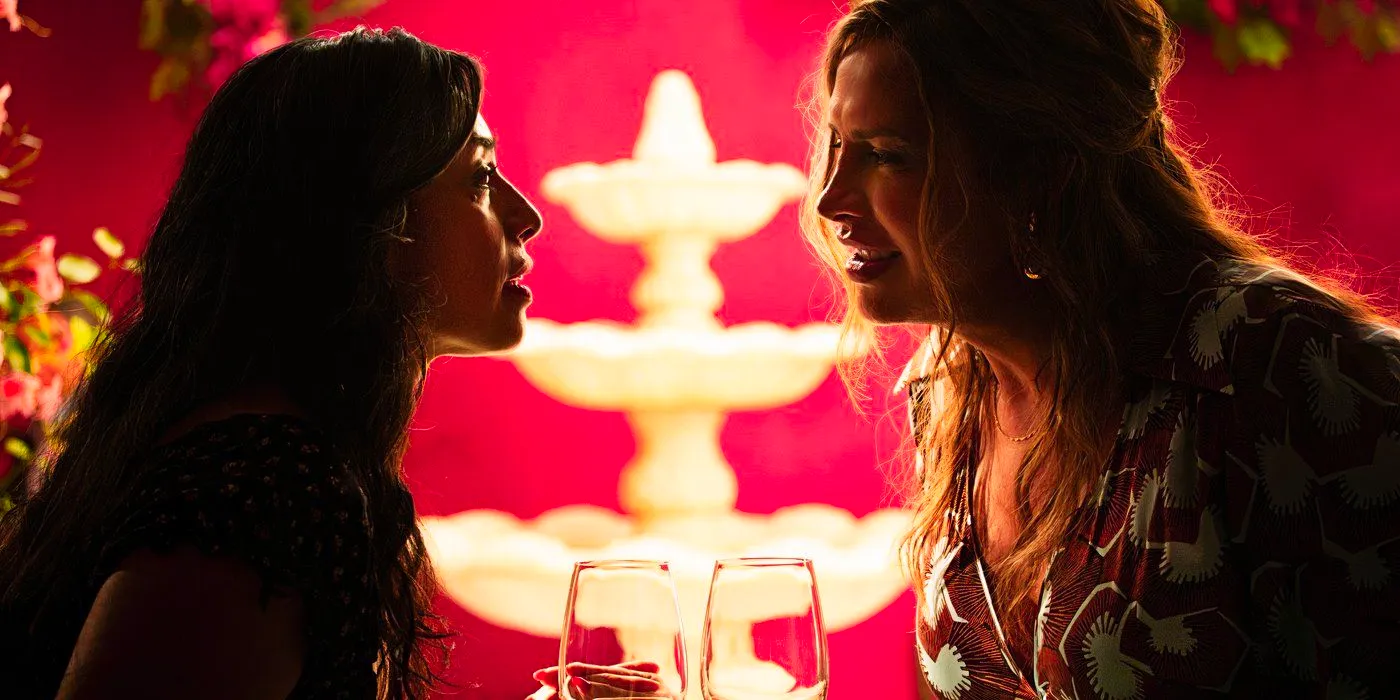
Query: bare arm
{"points": [[186, 625]]}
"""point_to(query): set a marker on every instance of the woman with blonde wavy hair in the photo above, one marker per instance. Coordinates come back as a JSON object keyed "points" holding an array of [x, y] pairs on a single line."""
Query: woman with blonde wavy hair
{"points": [[1154, 459]]}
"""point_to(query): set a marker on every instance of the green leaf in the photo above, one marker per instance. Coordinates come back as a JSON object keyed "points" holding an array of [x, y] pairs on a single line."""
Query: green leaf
{"points": [[91, 302], [7, 302], [1192, 13], [19, 449], [83, 333], [109, 244], [37, 336], [170, 76], [78, 269], [29, 303], [1387, 30], [298, 16], [152, 23], [16, 354], [344, 8], [1263, 41]]}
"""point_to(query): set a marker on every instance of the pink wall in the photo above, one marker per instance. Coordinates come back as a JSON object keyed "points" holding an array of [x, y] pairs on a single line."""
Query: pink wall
{"points": [[1315, 144]]}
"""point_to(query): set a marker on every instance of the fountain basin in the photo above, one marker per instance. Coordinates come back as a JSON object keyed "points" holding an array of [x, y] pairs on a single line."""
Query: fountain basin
{"points": [[630, 201], [515, 573], [608, 366]]}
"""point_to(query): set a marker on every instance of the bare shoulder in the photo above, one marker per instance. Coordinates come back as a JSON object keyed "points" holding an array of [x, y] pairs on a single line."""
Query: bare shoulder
{"points": [[185, 624]]}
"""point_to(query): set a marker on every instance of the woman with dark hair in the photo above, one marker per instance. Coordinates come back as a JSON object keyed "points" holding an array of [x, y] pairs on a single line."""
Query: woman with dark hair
{"points": [[1154, 459], [224, 514]]}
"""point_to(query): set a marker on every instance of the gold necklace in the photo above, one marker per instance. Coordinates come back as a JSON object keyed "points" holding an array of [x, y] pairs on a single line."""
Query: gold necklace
{"points": [[996, 409]]}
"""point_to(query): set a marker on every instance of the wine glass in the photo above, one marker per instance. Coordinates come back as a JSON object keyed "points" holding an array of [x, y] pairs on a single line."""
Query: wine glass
{"points": [[764, 637], [622, 633]]}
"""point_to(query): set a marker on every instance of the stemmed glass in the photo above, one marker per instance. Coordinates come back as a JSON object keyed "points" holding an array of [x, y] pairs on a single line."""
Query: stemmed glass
{"points": [[622, 633], [764, 637]]}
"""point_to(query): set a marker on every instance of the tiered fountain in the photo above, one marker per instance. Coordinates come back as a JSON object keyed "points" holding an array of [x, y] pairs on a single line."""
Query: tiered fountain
{"points": [[676, 373]]}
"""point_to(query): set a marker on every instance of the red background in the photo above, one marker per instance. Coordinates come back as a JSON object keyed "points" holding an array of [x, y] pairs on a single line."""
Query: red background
{"points": [[1312, 150]]}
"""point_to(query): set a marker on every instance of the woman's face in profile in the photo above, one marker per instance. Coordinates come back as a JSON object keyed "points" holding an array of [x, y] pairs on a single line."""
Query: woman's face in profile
{"points": [[875, 191], [469, 226]]}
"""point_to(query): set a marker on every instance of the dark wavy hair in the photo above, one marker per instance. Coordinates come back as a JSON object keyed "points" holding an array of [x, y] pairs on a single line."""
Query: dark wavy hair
{"points": [[271, 264]]}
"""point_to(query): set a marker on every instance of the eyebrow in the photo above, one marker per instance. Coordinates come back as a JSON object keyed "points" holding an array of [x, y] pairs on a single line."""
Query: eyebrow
{"points": [[483, 142], [871, 134]]}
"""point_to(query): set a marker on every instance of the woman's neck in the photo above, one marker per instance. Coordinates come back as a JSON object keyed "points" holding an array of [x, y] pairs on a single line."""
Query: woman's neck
{"points": [[1017, 345]]}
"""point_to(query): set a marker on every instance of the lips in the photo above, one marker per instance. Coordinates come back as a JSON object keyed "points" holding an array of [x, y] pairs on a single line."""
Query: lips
{"points": [[868, 262], [518, 270]]}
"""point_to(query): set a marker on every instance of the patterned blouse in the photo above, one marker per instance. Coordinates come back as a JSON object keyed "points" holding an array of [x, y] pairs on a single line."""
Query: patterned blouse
{"points": [[259, 488], [1245, 534]]}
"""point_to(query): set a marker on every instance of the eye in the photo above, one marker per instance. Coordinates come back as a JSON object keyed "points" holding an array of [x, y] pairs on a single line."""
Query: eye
{"points": [[883, 157], [836, 142], [485, 176]]}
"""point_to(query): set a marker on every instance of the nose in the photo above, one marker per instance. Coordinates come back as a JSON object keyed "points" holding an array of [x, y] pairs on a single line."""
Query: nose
{"points": [[841, 201], [523, 219]]}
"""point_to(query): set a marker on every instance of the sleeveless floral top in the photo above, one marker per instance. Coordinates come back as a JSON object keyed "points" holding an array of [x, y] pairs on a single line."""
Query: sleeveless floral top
{"points": [[1244, 540]]}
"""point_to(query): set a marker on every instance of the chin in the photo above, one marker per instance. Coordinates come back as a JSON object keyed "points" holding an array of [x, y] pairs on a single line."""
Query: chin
{"points": [[884, 311], [497, 340]]}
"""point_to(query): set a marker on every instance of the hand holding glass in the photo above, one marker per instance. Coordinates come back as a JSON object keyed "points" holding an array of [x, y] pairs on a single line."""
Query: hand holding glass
{"points": [[622, 634]]}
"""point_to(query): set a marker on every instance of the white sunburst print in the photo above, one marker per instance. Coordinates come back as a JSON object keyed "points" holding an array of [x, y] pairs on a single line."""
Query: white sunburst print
{"points": [[1184, 467], [1193, 562], [1334, 402], [1137, 413], [1211, 323], [1207, 342], [1230, 307], [1294, 635], [1169, 635], [1142, 507], [1288, 479], [1366, 568], [1344, 687], [1377, 483], [936, 597], [1114, 675], [947, 673]]}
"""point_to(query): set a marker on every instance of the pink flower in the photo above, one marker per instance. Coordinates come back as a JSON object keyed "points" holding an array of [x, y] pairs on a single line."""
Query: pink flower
{"points": [[46, 280], [240, 11], [49, 397], [1227, 9], [9, 11], [236, 43], [19, 395], [60, 331]]}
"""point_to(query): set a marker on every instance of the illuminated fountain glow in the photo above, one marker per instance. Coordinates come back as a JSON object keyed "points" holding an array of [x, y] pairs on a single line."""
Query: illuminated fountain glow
{"points": [[676, 373]]}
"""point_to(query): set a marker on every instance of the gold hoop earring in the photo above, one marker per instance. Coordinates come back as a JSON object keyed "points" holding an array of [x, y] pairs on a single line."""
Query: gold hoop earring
{"points": [[1031, 271]]}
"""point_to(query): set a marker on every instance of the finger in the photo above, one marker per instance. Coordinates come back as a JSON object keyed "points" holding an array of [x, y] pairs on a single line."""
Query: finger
{"points": [[547, 676], [594, 690], [632, 667], [640, 683], [544, 693], [581, 688], [634, 683]]}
